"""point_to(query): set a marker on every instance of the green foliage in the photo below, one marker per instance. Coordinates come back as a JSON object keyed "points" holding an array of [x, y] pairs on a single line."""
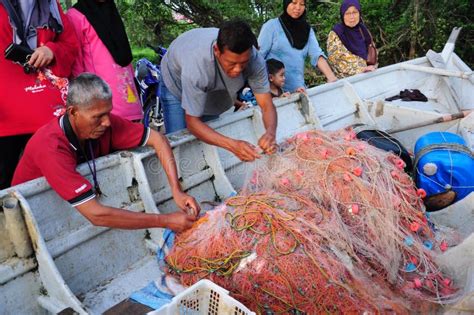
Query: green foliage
{"points": [[139, 53], [402, 29], [141, 17]]}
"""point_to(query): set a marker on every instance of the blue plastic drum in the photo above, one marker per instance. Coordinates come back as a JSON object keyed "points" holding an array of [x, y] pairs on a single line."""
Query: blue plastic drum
{"points": [[443, 163]]}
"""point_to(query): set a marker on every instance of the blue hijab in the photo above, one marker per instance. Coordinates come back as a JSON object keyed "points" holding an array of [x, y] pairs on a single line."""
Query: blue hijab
{"points": [[34, 14], [356, 39]]}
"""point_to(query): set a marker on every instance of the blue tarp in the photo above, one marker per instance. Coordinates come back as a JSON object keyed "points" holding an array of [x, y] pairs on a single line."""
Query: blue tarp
{"points": [[152, 295]]}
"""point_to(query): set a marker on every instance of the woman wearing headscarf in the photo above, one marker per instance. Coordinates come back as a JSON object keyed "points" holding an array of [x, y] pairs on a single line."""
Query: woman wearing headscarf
{"points": [[290, 39], [348, 42], [30, 93], [105, 51]]}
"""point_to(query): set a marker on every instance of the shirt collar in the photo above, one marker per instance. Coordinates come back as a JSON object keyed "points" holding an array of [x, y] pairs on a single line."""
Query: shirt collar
{"points": [[69, 132]]}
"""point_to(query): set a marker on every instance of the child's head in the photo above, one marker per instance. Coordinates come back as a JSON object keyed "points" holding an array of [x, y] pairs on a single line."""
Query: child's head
{"points": [[276, 72]]}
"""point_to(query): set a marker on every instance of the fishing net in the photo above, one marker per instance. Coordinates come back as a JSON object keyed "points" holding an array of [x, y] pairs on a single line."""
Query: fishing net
{"points": [[329, 224]]}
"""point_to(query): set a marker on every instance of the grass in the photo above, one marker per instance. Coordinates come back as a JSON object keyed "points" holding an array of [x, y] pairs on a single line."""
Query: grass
{"points": [[140, 52]]}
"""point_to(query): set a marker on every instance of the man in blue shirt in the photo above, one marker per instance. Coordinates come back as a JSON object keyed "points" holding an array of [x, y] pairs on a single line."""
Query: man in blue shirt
{"points": [[201, 74]]}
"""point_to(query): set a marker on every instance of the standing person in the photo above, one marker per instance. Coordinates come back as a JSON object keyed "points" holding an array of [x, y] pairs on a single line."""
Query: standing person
{"points": [[87, 131], [202, 72], [276, 76], [290, 39], [348, 42], [105, 51], [42, 49]]}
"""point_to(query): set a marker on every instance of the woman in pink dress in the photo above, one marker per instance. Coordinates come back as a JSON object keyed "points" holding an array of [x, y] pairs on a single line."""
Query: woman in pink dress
{"points": [[105, 51]]}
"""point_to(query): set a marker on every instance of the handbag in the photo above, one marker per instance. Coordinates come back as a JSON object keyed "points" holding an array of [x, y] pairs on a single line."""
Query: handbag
{"points": [[372, 54], [372, 57]]}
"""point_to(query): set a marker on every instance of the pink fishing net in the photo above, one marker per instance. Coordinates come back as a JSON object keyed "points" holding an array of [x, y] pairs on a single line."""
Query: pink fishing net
{"points": [[329, 224]]}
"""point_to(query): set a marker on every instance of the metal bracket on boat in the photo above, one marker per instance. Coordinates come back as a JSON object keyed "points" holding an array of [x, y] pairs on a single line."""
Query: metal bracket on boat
{"points": [[59, 296], [15, 244], [221, 183], [308, 113], [146, 196], [361, 108], [143, 185], [16, 227], [257, 119]]}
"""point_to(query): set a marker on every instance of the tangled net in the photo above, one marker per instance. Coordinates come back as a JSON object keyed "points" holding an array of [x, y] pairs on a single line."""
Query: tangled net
{"points": [[328, 225]]}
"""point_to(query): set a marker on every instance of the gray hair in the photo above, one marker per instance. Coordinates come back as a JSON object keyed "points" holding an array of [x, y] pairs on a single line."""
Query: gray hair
{"points": [[87, 88]]}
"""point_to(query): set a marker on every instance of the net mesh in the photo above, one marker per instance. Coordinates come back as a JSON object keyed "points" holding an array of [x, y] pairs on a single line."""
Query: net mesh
{"points": [[328, 224]]}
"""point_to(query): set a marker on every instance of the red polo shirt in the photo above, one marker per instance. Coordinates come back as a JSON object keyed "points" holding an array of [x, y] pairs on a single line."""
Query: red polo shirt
{"points": [[53, 152]]}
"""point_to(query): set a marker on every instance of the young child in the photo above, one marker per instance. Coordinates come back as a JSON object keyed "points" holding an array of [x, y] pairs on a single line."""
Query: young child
{"points": [[276, 76]]}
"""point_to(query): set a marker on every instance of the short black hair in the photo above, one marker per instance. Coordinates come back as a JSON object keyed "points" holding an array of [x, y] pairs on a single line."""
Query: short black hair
{"points": [[236, 36], [273, 66]]}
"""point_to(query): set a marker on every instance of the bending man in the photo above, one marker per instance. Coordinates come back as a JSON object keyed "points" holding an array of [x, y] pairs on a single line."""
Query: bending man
{"points": [[202, 72], [86, 131]]}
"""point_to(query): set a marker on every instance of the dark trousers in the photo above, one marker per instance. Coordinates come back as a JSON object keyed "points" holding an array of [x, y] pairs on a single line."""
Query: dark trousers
{"points": [[11, 148]]}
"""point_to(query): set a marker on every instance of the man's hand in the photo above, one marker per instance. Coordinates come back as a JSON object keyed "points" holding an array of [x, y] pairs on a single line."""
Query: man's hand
{"points": [[268, 143], [244, 151], [42, 56], [100, 215], [187, 203], [178, 221]]}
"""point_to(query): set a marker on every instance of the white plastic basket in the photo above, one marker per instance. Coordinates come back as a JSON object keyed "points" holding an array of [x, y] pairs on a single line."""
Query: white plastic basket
{"points": [[203, 298]]}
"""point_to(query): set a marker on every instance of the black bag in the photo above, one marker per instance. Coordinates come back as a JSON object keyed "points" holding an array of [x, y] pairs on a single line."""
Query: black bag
{"points": [[18, 53], [387, 143]]}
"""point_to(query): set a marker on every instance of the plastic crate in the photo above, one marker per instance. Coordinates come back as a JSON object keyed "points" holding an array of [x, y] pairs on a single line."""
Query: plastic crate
{"points": [[203, 298]]}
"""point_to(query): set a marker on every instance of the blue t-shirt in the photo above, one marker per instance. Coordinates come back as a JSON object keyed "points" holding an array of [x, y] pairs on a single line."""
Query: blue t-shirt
{"points": [[274, 44], [191, 72]]}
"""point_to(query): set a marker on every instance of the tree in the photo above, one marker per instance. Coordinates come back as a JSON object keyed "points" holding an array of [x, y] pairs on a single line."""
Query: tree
{"points": [[402, 29]]}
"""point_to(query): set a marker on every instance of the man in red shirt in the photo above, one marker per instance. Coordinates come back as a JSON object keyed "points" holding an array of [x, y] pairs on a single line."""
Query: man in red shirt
{"points": [[88, 130]]}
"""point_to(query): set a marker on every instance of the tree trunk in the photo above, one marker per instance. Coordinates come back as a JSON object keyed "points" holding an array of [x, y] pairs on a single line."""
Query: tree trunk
{"points": [[414, 30]]}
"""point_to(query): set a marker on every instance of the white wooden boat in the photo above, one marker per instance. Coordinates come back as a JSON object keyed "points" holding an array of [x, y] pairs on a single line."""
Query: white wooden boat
{"points": [[72, 264]]}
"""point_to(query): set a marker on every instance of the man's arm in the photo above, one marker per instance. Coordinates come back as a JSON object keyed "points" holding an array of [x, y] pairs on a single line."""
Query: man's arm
{"points": [[164, 153], [101, 215], [270, 120], [242, 149]]}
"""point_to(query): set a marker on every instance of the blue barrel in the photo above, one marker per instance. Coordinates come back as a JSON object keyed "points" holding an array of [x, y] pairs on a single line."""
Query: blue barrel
{"points": [[443, 162]]}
